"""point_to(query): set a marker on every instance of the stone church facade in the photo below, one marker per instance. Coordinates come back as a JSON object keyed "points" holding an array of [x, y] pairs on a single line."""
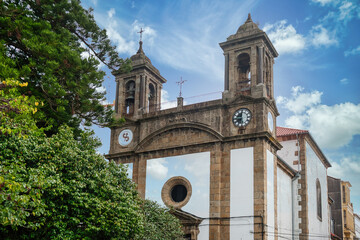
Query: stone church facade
{"points": [[238, 132]]}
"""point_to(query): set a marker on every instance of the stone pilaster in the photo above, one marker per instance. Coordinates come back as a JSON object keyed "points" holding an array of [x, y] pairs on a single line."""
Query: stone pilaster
{"points": [[260, 189], [139, 175], [215, 179], [303, 213]]}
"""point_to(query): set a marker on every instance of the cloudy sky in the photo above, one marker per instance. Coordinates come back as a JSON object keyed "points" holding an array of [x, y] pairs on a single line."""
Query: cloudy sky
{"points": [[316, 76]]}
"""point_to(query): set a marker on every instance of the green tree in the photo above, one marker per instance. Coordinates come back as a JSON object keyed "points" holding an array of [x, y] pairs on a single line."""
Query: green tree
{"points": [[58, 187], [159, 224], [71, 191], [44, 43]]}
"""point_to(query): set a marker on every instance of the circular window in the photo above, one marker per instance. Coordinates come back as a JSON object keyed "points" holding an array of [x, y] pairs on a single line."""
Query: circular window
{"points": [[176, 192]]}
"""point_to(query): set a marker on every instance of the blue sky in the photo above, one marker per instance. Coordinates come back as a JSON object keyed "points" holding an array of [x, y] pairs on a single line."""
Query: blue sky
{"points": [[316, 76]]}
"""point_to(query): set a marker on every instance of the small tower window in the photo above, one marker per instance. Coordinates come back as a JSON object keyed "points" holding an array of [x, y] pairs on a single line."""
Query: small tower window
{"points": [[152, 98], [243, 72], [318, 199], [129, 97]]}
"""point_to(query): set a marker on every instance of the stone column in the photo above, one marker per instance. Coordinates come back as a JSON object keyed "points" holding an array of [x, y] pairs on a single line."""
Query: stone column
{"points": [[142, 91], [137, 95], [260, 71], [117, 98], [225, 193], [260, 189], [226, 82], [215, 179], [139, 175]]}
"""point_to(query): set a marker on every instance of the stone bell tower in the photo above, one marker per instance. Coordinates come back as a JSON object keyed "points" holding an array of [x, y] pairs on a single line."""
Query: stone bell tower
{"points": [[138, 91], [249, 58]]}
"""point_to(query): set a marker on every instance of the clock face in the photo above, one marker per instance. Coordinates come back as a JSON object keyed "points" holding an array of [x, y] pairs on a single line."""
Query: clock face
{"points": [[125, 137], [241, 117]]}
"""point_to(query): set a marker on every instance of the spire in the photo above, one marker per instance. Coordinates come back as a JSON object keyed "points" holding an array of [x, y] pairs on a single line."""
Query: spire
{"points": [[140, 42], [249, 27], [140, 47], [249, 18]]}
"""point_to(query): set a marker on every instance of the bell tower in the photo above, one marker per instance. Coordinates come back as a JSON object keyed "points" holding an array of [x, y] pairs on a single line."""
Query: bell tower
{"points": [[249, 58], [139, 91]]}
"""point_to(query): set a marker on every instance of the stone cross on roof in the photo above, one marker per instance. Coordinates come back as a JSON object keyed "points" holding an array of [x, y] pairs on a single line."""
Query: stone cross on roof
{"points": [[180, 83], [141, 31]]}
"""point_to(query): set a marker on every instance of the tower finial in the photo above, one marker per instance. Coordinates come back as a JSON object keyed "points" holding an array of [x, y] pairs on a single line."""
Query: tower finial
{"points": [[140, 42], [249, 18], [140, 47]]}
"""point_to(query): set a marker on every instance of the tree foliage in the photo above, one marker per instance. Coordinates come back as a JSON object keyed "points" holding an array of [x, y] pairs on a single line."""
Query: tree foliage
{"points": [[56, 46], [58, 187], [159, 224], [55, 185]]}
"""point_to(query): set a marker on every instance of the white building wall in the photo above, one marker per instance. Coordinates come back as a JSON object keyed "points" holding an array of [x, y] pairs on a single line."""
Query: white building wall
{"points": [[241, 193], [357, 227], [287, 153], [270, 195], [316, 170], [284, 204]]}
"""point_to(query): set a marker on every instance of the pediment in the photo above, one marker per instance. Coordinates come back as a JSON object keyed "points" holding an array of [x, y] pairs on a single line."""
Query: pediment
{"points": [[179, 135], [186, 218]]}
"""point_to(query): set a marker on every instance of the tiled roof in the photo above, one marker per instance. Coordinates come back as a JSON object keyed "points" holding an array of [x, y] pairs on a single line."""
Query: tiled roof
{"points": [[282, 131]]}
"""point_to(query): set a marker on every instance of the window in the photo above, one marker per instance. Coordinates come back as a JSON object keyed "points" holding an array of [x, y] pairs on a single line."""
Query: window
{"points": [[343, 194], [152, 98], [178, 193], [243, 71], [129, 97], [318, 199]]}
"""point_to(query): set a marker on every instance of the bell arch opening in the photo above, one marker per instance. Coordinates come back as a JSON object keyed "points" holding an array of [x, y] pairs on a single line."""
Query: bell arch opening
{"points": [[243, 72], [129, 97], [152, 98]]}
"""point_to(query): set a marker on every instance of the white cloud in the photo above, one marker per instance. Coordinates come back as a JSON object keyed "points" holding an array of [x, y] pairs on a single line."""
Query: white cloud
{"points": [[346, 10], [198, 165], [324, 2], [165, 100], [332, 126], [348, 169], [112, 29], [320, 36], [111, 12], [157, 169], [100, 89], [344, 81], [299, 101], [148, 34], [354, 51], [284, 37]]}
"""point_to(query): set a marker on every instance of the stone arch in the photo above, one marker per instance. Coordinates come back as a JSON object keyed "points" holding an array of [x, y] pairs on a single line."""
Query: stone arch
{"points": [[129, 97], [178, 134], [152, 98], [243, 73]]}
